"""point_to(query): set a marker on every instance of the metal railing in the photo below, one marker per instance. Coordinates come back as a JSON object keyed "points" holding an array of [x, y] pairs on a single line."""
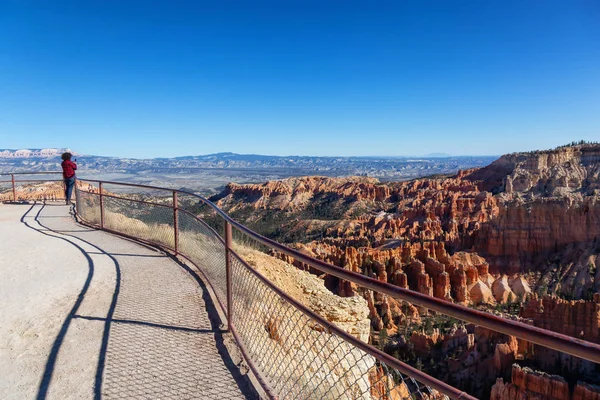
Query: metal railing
{"points": [[293, 351], [14, 182]]}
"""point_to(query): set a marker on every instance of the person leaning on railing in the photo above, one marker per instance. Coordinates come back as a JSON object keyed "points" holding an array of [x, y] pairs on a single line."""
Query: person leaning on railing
{"points": [[68, 168]]}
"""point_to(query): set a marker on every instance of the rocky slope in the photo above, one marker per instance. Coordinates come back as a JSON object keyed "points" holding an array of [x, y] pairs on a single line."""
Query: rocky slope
{"points": [[550, 200], [580, 319]]}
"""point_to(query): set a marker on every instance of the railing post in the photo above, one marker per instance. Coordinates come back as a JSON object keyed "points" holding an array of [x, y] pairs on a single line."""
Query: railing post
{"points": [[13, 187], [175, 221], [228, 271], [101, 206]]}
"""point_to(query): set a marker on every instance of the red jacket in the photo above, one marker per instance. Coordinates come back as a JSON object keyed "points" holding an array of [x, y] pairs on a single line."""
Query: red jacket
{"points": [[69, 168]]}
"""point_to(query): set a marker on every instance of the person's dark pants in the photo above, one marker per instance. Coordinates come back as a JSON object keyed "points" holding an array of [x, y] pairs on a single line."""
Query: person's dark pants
{"points": [[69, 184]]}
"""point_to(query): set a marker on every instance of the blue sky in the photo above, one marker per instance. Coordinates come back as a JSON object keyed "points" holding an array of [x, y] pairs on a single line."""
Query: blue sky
{"points": [[171, 78]]}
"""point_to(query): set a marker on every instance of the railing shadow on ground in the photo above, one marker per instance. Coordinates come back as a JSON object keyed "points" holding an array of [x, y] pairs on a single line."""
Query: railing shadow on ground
{"points": [[110, 337], [58, 341], [216, 325]]}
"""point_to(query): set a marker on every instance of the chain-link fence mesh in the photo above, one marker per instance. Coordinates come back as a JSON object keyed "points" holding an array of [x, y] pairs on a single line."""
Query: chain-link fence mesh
{"points": [[88, 206], [153, 195], [6, 193], [154, 223], [201, 244], [203, 211], [299, 357]]}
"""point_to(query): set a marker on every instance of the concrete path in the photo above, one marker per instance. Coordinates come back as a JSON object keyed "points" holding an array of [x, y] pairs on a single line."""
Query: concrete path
{"points": [[85, 314]]}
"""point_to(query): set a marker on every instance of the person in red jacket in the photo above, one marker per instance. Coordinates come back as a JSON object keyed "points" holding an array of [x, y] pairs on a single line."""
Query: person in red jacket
{"points": [[68, 168]]}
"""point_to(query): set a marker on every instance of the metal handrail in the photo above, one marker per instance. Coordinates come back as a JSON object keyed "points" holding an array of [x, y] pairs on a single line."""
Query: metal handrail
{"points": [[420, 376], [580, 348]]}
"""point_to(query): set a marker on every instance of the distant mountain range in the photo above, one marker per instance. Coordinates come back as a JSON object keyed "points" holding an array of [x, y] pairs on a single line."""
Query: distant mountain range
{"points": [[28, 153], [381, 167], [438, 155]]}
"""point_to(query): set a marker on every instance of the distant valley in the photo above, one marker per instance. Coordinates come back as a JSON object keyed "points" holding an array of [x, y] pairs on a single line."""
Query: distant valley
{"points": [[209, 173]]}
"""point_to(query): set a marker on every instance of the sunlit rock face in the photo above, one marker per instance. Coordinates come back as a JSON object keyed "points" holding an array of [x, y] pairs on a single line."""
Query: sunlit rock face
{"points": [[548, 200]]}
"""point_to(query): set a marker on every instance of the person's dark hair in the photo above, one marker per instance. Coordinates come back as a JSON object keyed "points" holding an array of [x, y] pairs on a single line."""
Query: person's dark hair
{"points": [[66, 156]]}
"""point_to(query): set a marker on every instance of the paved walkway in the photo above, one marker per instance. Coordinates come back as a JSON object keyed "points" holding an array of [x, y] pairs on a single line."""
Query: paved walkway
{"points": [[85, 314]]}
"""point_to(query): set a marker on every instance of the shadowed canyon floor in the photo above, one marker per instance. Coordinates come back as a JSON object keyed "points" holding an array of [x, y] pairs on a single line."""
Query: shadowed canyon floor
{"points": [[86, 314]]}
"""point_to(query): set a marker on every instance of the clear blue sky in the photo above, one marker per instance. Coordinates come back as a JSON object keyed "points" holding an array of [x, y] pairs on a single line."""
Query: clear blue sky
{"points": [[169, 78]]}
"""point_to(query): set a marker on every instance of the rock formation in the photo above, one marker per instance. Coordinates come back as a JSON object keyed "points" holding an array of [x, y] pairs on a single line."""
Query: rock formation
{"points": [[307, 350], [479, 293], [520, 287], [550, 200], [423, 343], [529, 384], [349, 313], [585, 391], [502, 291]]}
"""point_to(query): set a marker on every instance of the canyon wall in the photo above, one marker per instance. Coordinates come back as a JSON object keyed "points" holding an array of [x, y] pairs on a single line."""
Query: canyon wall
{"points": [[580, 319], [549, 199], [529, 384], [523, 234]]}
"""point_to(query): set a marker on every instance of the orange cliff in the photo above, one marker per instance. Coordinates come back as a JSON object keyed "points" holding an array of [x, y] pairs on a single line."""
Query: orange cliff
{"points": [[522, 233], [409, 239], [549, 199], [580, 319]]}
